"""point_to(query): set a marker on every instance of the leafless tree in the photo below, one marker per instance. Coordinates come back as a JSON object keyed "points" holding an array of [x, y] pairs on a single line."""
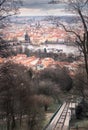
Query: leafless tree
{"points": [[80, 83], [8, 8], [14, 91], [80, 9], [17, 97]]}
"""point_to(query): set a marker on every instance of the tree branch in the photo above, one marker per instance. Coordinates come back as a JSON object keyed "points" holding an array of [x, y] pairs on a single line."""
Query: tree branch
{"points": [[83, 20], [3, 17], [2, 2], [71, 31]]}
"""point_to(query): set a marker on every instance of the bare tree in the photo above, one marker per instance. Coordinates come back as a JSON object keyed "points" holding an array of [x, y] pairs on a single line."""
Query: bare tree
{"points": [[80, 9], [14, 91], [18, 98], [80, 83], [8, 8]]}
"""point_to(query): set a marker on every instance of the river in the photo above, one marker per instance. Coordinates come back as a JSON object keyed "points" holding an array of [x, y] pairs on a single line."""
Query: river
{"points": [[54, 47]]}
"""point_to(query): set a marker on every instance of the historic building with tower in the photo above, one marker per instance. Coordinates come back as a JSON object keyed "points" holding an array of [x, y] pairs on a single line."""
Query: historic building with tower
{"points": [[27, 38]]}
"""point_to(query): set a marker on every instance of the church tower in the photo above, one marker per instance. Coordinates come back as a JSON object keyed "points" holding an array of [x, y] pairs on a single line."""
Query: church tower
{"points": [[27, 38]]}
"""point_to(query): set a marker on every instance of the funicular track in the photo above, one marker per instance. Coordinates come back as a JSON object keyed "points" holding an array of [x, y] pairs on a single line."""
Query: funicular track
{"points": [[59, 120]]}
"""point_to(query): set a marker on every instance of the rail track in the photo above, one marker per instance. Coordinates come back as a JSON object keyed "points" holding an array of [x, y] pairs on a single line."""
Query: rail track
{"points": [[61, 119]]}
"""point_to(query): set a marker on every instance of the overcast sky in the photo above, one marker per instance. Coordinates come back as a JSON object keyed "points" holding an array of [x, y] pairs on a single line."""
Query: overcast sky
{"points": [[41, 7]]}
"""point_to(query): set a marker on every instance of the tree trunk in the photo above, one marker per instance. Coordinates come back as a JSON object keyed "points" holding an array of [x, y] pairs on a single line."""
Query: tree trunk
{"points": [[86, 63], [20, 118], [8, 123], [13, 125], [46, 107]]}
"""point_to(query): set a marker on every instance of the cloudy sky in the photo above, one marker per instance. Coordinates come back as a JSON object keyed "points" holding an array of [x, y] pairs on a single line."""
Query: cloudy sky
{"points": [[41, 7]]}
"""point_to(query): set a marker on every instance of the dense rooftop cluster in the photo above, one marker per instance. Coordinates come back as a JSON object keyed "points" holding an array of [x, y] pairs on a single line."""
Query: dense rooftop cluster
{"points": [[41, 63]]}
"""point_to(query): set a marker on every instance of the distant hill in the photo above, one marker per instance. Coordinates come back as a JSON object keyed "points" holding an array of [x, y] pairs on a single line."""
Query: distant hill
{"points": [[23, 19]]}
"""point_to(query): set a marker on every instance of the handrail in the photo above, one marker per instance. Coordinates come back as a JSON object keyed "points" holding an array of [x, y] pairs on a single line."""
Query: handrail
{"points": [[52, 117]]}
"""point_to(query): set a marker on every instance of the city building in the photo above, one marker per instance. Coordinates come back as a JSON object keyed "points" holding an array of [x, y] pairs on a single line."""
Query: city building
{"points": [[27, 38]]}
